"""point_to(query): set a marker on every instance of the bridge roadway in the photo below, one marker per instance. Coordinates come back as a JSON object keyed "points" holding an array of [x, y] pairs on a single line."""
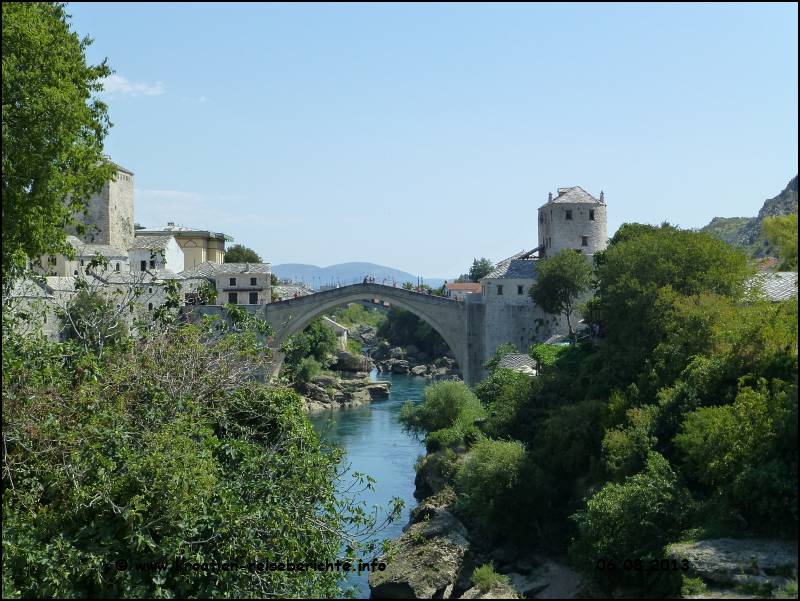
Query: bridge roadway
{"points": [[450, 318]]}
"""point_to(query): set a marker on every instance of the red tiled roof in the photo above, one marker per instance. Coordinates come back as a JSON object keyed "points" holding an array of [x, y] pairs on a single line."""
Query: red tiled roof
{"points": [[468, 287]]}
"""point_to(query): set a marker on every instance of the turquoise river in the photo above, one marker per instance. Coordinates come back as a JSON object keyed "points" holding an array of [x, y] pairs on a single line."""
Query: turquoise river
{"points": [[377, 445]]}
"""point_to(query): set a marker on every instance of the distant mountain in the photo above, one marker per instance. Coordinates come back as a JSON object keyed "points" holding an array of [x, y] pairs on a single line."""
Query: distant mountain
{"points": [[747, 232], [347, 273]]}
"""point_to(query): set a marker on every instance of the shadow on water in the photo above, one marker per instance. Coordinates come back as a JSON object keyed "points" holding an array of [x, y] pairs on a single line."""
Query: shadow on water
{"points": [[377, 445]]}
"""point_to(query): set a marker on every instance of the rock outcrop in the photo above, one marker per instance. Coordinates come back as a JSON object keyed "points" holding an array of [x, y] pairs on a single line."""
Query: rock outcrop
{"points": [[425, 562], [734, 562], [326, 392]]}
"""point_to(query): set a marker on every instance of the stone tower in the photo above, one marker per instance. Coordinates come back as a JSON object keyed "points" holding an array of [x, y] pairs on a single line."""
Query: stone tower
{"points": [[109, 213], [573, 219]]}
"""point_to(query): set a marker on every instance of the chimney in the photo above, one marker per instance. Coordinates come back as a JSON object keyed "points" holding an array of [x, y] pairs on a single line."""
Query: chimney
{"points": [[549, 197], [602, 196]]}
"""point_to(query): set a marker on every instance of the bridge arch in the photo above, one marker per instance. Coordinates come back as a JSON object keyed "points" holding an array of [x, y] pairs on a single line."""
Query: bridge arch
{"points": [[448, 317]]}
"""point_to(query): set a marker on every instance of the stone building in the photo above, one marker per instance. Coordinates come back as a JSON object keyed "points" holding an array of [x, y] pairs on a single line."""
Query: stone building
{"points": [[198, 246], [60, 265], [459, 290], [235, 283], [156, 252], [108, 217], [573, 219]]}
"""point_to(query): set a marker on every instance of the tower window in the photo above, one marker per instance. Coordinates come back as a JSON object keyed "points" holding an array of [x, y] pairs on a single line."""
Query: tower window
{"points": [[584, 240], [569, 215], [591, 214], [499, 290]]}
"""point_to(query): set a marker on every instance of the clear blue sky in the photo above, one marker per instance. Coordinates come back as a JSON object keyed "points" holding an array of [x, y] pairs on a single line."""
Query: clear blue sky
{"points": [[420, 136]]}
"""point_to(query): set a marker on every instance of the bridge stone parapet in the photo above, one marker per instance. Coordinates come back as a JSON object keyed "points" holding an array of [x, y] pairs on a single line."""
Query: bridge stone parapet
{"points": [[450, 318]]}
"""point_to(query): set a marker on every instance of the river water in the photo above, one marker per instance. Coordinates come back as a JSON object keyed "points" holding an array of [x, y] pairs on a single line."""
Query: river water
{"points": [[377, 445]]}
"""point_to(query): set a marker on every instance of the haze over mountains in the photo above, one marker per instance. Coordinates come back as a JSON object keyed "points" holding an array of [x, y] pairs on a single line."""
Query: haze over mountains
{"points": [[747, 232], [347, 273]]}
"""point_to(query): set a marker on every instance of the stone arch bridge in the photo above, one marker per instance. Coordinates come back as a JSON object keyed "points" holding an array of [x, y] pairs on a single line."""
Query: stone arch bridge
{"points": [[459, 323]]}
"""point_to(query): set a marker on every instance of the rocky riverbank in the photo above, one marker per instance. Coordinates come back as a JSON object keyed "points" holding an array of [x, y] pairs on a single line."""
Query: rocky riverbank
{"points": [[331, 392], [439, 551], [410, 360]]}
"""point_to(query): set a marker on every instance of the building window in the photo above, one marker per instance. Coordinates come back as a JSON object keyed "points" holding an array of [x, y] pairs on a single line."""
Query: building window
{"points": [[143, 265], [149, 306], [130, 307], [75, 272], [569, 214], [81, 262], [150, 291], [254, 298], [499, 290], [233, 298], [519, 289], [117, 268], [152, 263], [591, 214], [584, 240], [232, 281], [252, 281]]}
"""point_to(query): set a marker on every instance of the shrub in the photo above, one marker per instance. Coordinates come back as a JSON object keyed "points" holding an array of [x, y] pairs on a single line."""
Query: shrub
{"points": [[546, 354], [308, 369], [747, 454], [484, 577], [631, 521], [485, 483], [443, 405]]}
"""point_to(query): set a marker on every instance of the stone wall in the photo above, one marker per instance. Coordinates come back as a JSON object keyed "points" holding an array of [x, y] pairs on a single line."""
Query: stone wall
{"points": [[109, 214], [566, 233]]}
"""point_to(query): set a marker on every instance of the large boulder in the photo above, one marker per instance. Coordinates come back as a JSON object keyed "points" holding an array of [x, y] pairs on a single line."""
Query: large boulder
{"points": [[419, 370], [397, 353], [498, 590], [424, 562], [379, 390], [740, 561], [400, 366], [349, 362]]}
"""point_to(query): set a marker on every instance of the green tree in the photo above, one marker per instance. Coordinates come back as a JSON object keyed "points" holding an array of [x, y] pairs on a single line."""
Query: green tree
{"points": [[781, 231], [480, 268], [238, 253], [562, 279], [53, 130]]}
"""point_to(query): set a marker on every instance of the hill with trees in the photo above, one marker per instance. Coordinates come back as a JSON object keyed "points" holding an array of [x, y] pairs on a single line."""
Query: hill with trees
{"points": [[748, 232]]}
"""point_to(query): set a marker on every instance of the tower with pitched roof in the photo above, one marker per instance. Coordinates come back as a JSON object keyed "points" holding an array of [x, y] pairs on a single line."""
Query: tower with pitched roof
{"points": [[572, 219]]}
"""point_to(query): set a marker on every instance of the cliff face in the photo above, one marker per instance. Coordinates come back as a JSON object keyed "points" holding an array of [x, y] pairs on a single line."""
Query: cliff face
{"points": [[747, 232]]}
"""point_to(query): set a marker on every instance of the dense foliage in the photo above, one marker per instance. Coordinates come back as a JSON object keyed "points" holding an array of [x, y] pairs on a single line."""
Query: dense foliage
{"points": [[447, 414], [403, 328], [680, 422], [239, 253], [560, 281], [316, 342], [167, 447], [781, 231], [53, 130]]}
